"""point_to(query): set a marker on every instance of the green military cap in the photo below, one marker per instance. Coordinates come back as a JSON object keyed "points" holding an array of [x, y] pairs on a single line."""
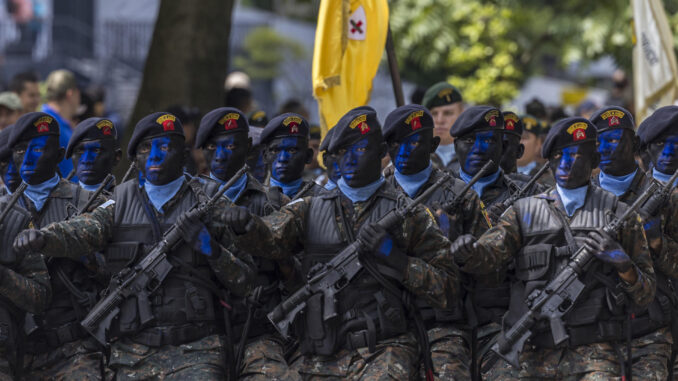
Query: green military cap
{"points": [[441, 94]]}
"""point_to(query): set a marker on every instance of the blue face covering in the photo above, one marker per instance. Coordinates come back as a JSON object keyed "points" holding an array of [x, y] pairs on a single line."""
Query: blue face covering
{"points": [[39, 193], [572, 199], [412, 183], [446, 153], [90, 188], [233, 193], [481, 184], [618, 185], [330, 185], [526, 169], [362, 193], [661, 176], [289, 189], [160, 194]]}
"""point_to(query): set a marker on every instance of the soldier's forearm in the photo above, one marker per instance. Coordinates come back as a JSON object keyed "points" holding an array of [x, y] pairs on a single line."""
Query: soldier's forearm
{"points": [[233, 272], [31, 293], [437, 286]]}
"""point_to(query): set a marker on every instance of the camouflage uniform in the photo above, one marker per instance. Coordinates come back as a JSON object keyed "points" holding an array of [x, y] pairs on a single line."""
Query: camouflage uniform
{"points": [[448, 331], [502, 244], [430, 275], [132, 357]]}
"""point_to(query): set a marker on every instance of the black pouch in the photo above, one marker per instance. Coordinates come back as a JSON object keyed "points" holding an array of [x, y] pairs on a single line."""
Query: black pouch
{"points": [[318, 337], [532, 262]]}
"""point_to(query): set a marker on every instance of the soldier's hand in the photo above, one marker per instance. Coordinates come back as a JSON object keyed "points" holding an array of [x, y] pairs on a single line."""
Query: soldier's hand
{"points": [[29, 240], [376, 240], [463, 248], [608, 250], [238, 217], [195, 233], [494, 212]]}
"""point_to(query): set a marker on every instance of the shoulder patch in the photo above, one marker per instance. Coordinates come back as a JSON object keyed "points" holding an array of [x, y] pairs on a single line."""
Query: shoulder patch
{"points": [[107, 204]]}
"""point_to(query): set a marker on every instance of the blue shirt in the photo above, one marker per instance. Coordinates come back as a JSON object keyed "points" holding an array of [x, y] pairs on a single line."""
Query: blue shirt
{"points": [[65, 133]]}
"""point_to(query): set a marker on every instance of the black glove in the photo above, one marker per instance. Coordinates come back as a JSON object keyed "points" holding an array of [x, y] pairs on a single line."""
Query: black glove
{"points": [[608, 250], [238, 217], [195, 233], [29, 240], [376, 241], [463, 248]]}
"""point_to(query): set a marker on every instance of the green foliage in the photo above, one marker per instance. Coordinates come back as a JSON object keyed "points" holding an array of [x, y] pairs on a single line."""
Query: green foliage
{"points": [[264, 49]]}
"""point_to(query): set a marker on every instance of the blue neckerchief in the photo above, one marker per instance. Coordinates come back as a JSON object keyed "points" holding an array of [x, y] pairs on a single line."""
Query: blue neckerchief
{"points": [[90, 188], [359, 194], [572, 199], [526, 169], [233, 193], [160, 194], [412, 183], [618, 185], [39, 193], [481, 184], [661, 176], [446, 153], [289, 189], [329, 185]]}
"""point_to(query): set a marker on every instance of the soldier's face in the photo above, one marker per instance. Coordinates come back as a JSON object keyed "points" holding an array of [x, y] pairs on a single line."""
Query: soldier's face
{"points": [[10, 175], [257, 164], [664, 153], [572, 165], [360, 162], [94, 159], [532, 144], [443, 119], [475, 149], [161, 159], [287, 156], [226, 154], [617, 153], [332, 164], [37, 158], [513, 150], [412, 154]]}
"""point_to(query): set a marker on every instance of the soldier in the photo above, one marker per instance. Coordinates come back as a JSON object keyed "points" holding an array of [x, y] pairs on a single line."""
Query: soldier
{"points": [[182, 339], [620, 175], [95, 151], [408, 131], [513, 148], [57, 347], [370, 338], [538, 234], [286, 150], [10, 176], [332, 173], [223, 138], [255, 158], [445, 104]]}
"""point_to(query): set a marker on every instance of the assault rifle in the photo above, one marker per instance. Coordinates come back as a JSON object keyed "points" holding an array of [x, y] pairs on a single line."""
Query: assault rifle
{"points": [[9, 255], [456, 202], [657, 200], [338, 273], [94, 196], [146, 276], [522, 191], [556, 299]]}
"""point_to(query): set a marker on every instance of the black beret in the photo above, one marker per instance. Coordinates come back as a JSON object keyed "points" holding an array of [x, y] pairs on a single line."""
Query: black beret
{"points": [[258, 118], [32, 125], [354, 125], [532, 124], [477, 118], [665, 118], [612, 118], [405, 121], [568, 132], [5, 151], [224, 120], [440, 94], [325, 144], [287, 124], [156, 124], [91, 129], [512, 123]]}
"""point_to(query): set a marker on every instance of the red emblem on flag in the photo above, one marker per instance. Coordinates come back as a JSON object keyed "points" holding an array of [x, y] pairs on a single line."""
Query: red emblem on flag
{"points": [[43, 127], [415, 123], [364, 128], [613, 121], [493, 121], [168, 125], [579, 135]]}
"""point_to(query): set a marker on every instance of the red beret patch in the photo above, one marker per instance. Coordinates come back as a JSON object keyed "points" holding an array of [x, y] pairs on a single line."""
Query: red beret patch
{"points": [[414, 120], [361, 123], [167, 122], [106, 127], [230, 121], [293, 123], [42, 124]]}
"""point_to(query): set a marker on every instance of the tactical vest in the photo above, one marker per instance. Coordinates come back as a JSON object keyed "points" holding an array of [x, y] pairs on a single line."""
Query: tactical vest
{"points": [[600, 313], [183, 306], [74, 288], [366, 312]]}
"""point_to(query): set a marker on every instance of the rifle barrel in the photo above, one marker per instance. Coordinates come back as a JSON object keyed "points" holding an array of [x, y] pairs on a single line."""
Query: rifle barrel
{"points": [[96, 194], [13, 200]]}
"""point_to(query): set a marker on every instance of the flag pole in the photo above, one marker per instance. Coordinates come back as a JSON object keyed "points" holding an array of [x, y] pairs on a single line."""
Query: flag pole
{"points": [[393, 68]]}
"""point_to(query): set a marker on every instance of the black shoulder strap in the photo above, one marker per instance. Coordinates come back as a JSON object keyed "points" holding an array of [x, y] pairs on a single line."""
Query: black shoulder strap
{"points": [[569, 237]]}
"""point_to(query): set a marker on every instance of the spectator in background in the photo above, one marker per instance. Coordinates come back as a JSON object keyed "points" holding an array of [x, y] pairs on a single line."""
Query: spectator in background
{"points": [[621, 93], [237, 92], [586, 108], [10, 109], [190, 118], [26, 86], [536, 109], [417, 96], [63, 100], [294, 106]]}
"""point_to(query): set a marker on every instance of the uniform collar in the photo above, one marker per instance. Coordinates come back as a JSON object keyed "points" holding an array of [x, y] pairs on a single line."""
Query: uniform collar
{"points": [[289, 189], [572, 199], [661, 176], [618, 185]]}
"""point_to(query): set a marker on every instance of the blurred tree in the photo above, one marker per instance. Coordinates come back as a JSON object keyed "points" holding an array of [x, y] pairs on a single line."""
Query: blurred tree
{"points": [[264, 49]]}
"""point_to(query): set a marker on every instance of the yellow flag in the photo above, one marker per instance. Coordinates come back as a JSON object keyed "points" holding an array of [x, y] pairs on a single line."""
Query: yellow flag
{"points": [[655, 75], [349, 43]]}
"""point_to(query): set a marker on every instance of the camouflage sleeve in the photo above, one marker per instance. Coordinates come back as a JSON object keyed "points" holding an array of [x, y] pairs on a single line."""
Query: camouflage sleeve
{"points": [[496, 247], [632, 239], [667, 262], [27, 284], [476, 221], [431, 272], [236, 272], [81, 235]]}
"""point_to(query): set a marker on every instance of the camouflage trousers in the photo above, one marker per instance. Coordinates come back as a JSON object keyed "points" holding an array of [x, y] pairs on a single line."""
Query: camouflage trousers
{"points": [[203, 359], [395, 358], [598, 361], [451, 354], [77, 360], [6, 373], [264, 360], [501, 370]]}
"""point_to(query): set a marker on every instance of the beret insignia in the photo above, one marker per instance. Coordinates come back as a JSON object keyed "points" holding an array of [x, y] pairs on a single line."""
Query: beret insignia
{"points": [[229, 121], [578, 131], [529, 123], [491, 117], [293, 123], [360, 122], [612, 117], [414, 119], [445, 93], [510, 121], [167, 122], [106, 127], [43, 123]]}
